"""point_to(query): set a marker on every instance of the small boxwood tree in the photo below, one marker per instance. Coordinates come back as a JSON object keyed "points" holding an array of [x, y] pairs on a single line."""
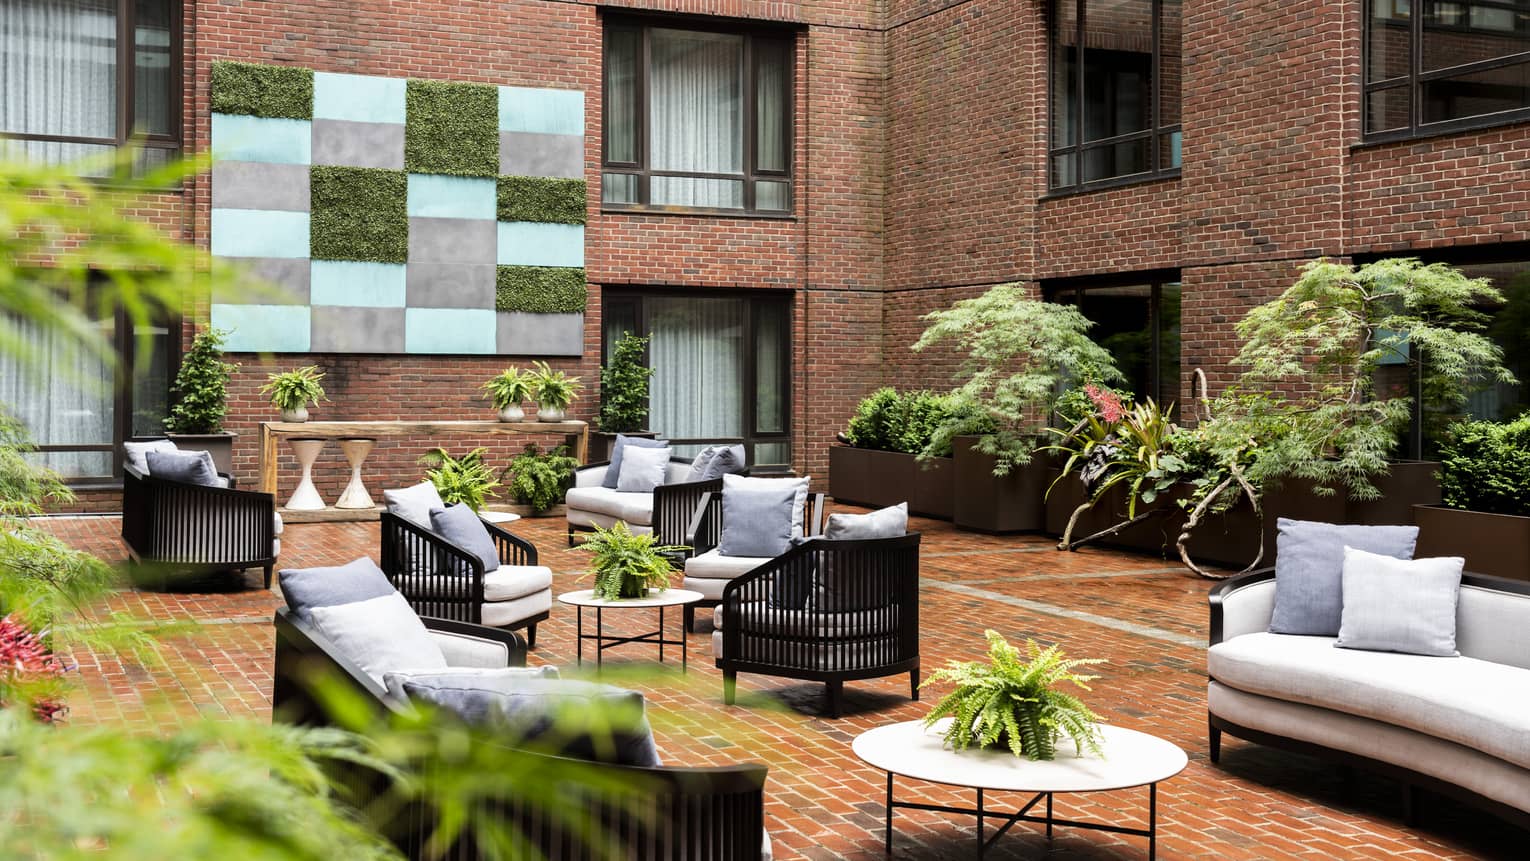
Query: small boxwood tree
{"points": [[201, 386], [624, 386]]}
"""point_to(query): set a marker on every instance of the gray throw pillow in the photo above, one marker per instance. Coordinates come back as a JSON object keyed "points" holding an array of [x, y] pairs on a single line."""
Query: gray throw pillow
{"points": [[583, 719], [727, 461], [306, 588], [642, 469], [760, 515], [699, 463], [1309, 570], [191, 467], [460, 525], [1397, 605], [462, 676], [380, 636], [414, 504], [890, 522], [614, 471], [133, 453]]}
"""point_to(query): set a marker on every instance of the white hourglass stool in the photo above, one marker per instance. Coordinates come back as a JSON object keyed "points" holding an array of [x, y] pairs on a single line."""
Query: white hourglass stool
{"points": [[306, 497], [355, 494]]}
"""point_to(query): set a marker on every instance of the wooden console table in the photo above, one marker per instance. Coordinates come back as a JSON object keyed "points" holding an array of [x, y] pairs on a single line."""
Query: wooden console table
{"points": [[271, 431]]}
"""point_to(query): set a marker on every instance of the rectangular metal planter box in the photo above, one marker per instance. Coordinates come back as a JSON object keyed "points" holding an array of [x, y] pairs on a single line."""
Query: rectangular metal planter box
{"points": [[877, 479], [985, 502], [1497, 544], [219, 445]]}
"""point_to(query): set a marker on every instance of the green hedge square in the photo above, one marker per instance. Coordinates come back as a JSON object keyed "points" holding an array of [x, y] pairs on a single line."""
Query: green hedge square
{"points": [[451, 128], [262, 91], [540, 289], [359, 213], [540, 198]]}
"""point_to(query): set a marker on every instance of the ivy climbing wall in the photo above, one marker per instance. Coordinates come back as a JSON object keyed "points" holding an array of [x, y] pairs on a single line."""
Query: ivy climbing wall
{"points": [[398, 216]]}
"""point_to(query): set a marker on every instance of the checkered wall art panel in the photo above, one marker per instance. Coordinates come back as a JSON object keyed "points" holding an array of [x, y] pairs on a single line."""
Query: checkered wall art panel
{"points": [[398, 216]]}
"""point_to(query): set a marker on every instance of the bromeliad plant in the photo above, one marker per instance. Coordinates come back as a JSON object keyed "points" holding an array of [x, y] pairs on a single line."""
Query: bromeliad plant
{"points": [[1013, 702], [538, 479], [467, 480], [627, 565], [293, 391]]}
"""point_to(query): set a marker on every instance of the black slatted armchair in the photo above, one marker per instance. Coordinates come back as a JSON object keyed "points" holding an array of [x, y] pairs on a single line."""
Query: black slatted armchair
{"points": [[440, 579], [176, 527], [706, 570], [826, 610]]}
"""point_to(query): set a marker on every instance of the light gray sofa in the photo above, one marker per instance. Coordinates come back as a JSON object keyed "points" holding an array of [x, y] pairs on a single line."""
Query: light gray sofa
{"points": [[664, 512], [1459, 726]]}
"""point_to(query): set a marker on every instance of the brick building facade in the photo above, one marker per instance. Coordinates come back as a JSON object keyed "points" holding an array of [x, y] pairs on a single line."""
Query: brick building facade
{"points": [[920, 133]]}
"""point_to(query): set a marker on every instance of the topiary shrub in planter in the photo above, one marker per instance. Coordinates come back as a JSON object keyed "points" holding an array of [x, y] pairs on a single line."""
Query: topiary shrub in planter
{"points": [[1485, 480], [201, 400], [888, 457]]}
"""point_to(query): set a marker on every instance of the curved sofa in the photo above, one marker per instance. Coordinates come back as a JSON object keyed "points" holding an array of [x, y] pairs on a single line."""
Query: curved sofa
{"points": [[1459, 726]]}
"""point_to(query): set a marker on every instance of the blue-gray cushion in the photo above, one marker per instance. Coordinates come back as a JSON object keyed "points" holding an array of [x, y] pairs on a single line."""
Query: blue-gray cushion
{"points": [[760, 515], [133, 452], [642, 469], [889, 522], [460, 525], [728, 460], [306, 588], [191, 467], [461, 676], [1309, 570], [614, 471], [414, 504], [380, 636], [830, 589], [563, 716], [1400, 605]]}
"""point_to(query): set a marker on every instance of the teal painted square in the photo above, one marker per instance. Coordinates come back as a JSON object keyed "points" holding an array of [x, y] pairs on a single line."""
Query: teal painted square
{"points": [[526, 243], [552, 112], [263, 328], [241, 138], [450, 330], [352, 282], [358, 98], [438, 196], [259, 233]]}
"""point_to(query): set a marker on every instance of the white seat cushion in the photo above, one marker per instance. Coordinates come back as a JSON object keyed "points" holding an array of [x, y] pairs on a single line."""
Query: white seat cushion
{"points": [[631, 508], [1475, 703], [715, 566], [604, 521], [508, 582], [502, 614]]}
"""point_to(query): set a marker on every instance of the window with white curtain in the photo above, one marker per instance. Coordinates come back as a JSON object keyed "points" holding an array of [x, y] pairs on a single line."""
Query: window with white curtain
{"points": [[80, 78], [697, 119], [721, 367]]}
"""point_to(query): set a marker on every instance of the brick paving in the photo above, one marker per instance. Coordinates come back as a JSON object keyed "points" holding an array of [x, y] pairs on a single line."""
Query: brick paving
{"points": [[1146, 616]]}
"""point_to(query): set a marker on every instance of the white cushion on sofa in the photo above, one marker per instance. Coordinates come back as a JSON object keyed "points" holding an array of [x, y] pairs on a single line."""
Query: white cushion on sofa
{"points": [[709, 572], [505, 583], [632, 508], [1475, 703]]}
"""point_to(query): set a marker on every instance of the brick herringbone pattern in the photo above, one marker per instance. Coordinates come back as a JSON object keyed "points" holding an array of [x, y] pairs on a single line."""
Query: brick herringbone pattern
{"points": [[1142, 614]]}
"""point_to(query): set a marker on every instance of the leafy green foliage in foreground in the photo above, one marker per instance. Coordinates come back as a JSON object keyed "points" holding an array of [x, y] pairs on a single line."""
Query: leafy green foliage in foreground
{"points": [[1487, 467], [1015, 702]]}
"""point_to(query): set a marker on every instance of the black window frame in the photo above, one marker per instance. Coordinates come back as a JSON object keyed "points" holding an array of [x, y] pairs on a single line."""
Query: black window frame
{"points": [[1413, 82], [127, 46], [1155, 133], [639, 168], [634, 297], [1074, 289]]}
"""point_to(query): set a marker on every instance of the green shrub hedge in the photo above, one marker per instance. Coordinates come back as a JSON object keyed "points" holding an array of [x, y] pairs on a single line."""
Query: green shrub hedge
{"points": [[359, 213], [540, 289], [262, 91], [1487, 467], [888, 420], [451, 128], [539, 198]]}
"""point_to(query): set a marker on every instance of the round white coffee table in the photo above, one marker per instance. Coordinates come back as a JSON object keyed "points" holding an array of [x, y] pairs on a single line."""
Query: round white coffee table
{"points": [[667, 598], [1131, 759]]}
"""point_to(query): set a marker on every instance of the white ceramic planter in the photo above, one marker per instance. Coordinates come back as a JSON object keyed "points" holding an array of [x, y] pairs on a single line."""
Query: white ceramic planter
{"points": [[549, 414], [512, 413], [298, 415]]}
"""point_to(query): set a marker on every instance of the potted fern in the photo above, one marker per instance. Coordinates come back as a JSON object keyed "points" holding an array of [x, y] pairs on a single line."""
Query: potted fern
{"points": [[201, 400], [467, 480], [537, 480], [507, 390], [292, 392], [627, 565], [1014, 704], [554, 390]]}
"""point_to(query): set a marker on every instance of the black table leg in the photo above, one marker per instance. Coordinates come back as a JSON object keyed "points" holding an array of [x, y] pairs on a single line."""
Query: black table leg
{"points": [[980, 843], [685, 646], [579, 614], [1049, 817], [889, 814], [600, 639], [1152, 821], [661, 633]]}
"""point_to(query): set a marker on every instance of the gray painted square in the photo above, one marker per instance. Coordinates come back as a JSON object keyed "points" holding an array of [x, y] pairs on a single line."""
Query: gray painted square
{"points": [[260, 185], [449, 285], [353, 144], [453, 240], [345, 329], [286, 281], [522, 334], [531, 154]]}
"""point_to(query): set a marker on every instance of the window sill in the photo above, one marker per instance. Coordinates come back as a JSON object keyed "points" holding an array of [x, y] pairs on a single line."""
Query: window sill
{"points": [[699, 213], [1456, 128], [1108, 184], [89, 485]]}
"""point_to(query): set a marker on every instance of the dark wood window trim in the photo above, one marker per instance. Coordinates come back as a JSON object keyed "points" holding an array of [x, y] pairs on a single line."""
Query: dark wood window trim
{"points": [[634, 298], [1154, 135], [127, 46], [640, 168], [1417, 77], [1073, 290]]}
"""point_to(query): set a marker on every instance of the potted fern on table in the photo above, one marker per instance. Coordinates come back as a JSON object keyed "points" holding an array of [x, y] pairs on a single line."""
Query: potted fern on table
{"points": [[625, 565], [201, 400], [507, 390], [554, 391], [293, 391]]}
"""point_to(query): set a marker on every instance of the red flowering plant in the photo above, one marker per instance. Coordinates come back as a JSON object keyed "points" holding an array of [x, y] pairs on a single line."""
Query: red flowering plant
{"points": [[30, 674]]}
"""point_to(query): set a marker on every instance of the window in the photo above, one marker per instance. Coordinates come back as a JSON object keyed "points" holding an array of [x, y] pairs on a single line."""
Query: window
{"points": [[721, 368], [68, 400], [1138, 322], [697, 119], [1442, 66], [1115, 92], [79, 77]]}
